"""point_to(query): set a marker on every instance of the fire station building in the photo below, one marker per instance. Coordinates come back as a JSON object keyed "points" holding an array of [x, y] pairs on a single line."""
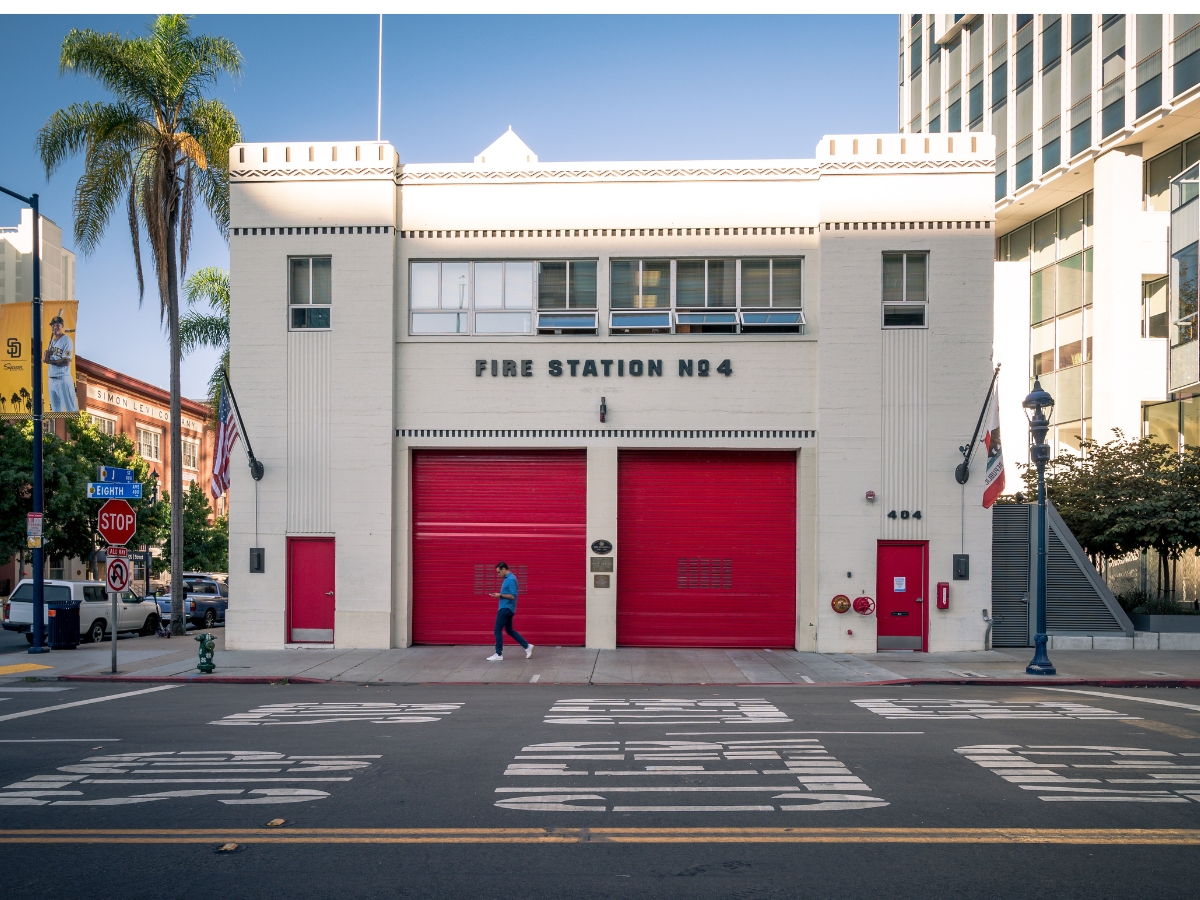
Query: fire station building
{"points": [[691, 404]]}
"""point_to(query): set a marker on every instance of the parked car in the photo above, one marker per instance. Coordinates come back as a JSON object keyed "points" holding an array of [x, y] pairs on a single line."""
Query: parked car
{"points": [[207, 600], [210, 598], [134, 613], [163, 598]]}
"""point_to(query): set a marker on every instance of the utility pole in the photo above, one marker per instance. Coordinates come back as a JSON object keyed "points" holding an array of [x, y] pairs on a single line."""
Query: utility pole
{"points": [[38, 499]]}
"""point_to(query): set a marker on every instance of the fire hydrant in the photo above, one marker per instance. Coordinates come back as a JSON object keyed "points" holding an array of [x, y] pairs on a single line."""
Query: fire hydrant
{"points": [[207, 645]]}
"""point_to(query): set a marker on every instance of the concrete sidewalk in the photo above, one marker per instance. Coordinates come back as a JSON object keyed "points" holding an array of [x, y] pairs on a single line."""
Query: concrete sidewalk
{"points": [[162, 660]]}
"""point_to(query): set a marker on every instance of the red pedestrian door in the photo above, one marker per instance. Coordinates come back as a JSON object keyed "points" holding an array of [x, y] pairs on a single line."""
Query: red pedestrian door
{"points": [[311, 599], [902, 589]]}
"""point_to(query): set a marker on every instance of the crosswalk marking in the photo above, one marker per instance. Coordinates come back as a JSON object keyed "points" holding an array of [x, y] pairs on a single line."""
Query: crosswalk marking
{"points": [[1084, 773], [329, 713], [78, 784], [986, 709], [60, 706], [745, 711], [595, 771]]}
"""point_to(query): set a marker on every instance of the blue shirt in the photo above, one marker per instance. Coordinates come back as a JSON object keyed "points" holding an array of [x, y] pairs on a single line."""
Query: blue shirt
{"points": [[509, 587]]}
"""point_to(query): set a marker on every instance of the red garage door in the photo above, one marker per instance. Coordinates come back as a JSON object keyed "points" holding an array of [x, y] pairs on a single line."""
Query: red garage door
{"points": [[472, 509], [706, 552]]}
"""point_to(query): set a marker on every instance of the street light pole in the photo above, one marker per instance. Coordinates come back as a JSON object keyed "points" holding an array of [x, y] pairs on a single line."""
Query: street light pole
{"points": [[1036, 405], [38, 500]]}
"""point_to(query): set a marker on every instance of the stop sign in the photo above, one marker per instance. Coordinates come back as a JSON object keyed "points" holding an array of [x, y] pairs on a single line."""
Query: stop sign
{"points": [[117, 522]]}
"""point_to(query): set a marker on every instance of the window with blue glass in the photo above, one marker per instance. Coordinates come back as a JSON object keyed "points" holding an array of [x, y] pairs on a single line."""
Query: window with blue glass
{"points": [[309, 291], [706, 296]]}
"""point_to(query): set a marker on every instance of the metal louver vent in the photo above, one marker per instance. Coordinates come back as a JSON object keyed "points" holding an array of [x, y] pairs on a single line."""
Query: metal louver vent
{"points": [[1072, 603], [1010, 575]]}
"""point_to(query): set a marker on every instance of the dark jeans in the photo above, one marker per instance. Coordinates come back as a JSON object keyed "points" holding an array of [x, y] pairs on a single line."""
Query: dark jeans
{"points": [[504, 619]]}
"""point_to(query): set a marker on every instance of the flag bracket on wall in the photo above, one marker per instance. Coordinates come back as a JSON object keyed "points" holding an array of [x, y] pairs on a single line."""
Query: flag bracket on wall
{"points": [[962, 472], [229, 426]]}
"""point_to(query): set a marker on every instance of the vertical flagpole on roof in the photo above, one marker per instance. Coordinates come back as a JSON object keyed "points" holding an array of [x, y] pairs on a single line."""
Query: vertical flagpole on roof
{"points": [[379, 93]]}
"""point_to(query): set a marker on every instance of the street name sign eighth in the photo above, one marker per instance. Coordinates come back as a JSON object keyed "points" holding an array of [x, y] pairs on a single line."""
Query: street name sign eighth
{"points": [[104, 490]]}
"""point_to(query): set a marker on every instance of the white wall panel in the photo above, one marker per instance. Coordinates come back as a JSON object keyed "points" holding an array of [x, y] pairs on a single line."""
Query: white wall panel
{"points": [[308, 429], [903, 400]]}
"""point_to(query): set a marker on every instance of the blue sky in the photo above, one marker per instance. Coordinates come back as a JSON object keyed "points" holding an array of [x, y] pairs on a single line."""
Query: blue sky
{"points": [[573, 87]]}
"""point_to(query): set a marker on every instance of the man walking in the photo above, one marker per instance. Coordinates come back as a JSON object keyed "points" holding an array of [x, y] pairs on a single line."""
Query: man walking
{"points": [[504, 615]]}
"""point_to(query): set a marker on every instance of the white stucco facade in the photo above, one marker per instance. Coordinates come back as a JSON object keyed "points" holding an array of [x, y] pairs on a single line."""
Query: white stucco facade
{"points": [[338, 414]]}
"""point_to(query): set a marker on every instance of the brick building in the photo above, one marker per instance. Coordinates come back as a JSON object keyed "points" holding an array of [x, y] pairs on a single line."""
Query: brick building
{"points": [[120, 404]]}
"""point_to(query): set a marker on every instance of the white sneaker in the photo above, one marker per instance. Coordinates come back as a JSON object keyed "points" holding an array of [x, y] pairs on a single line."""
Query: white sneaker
{"points": [[495, 657], [529, 651]]}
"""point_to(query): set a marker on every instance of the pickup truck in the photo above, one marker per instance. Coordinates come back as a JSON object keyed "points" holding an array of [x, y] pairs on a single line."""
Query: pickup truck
{"points": [[210, 598], [206, 598], [133, 612], [163, 599]]}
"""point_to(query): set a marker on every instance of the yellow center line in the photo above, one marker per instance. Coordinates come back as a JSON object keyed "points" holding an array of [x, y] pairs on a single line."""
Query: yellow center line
{"points": [[1085, 836]]}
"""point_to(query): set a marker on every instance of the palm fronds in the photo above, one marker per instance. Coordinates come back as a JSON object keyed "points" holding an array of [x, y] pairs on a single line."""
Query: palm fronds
{"points": [[157, 146]]}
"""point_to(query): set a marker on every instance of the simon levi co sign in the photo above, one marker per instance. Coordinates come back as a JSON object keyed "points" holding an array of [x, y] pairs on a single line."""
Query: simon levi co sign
{"points": [[602, 368]]}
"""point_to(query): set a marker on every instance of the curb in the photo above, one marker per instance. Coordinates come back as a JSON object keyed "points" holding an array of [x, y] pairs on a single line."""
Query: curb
{"points": [[900, 682], [196, 679]]}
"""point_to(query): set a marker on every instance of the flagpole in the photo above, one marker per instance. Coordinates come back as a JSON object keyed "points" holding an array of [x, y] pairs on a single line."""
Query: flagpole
{"points": [[962, 472], [256, 467], [379, 92]]}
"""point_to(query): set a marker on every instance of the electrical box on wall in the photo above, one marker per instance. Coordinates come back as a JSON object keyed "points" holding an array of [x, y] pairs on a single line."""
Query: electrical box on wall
{"points": [[962, 567], [258, 560]]}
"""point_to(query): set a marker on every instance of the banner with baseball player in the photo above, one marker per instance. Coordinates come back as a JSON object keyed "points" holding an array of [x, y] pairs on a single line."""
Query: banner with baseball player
{"points": [[58, 359]]}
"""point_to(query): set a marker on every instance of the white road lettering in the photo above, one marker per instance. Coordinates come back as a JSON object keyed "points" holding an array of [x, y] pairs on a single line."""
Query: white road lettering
{"points": [[986, 709], [86, 779], [46, 709], [1085, 773], [817, 774], [1156, 701], [749, 711], [329, 713]]}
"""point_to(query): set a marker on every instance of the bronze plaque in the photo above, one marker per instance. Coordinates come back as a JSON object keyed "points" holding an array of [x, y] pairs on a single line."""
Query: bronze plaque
{"points": [[602, 563], [601, 581]]}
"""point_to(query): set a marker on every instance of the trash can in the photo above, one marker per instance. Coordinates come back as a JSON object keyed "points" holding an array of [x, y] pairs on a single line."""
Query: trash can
{"points": [[63, 618]]}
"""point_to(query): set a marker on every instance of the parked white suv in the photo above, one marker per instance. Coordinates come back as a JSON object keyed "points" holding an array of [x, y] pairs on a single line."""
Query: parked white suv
{"points": [[95, 610]]}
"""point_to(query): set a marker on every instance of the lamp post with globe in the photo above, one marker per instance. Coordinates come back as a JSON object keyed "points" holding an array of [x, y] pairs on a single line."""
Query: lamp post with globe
{"points": [[1038, 405]]}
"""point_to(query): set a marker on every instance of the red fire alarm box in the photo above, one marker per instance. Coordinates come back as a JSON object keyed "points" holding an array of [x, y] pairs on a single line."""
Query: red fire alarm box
{"points": [[943, 595]]}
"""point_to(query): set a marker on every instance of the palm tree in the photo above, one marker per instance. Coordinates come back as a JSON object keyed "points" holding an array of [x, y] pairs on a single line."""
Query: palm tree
{"points": [[208, 286], [158, 145]]}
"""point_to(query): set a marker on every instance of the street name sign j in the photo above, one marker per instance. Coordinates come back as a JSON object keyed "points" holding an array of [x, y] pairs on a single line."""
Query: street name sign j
{"points": [[105, 490], [115, 476]]}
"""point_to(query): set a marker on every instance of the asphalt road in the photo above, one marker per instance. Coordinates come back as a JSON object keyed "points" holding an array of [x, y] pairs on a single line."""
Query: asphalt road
{"points": [[539, 791]]}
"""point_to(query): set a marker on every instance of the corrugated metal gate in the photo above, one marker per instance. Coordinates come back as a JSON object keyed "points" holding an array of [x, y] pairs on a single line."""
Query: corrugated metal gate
{"points": [[472, 509], [1010, 575], [1077, 599], [706, 548]]}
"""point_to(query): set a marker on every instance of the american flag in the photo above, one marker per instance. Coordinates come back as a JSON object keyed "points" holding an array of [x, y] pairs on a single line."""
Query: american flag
{"points": [[226, 432]]}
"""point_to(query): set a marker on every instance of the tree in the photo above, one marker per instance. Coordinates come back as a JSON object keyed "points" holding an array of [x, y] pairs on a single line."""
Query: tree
{"points": [[205, 545], [1127, 496], [208, 286], [161, 144], [68, 465]]}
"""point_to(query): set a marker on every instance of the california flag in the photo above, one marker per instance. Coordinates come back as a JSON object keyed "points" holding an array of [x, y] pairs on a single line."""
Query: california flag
{"points": [[993, 478]]}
